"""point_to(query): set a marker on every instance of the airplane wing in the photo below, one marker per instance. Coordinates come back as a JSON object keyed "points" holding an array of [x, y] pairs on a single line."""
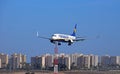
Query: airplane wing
{"points": [[42, 37], [79, 40], [84, 38]]}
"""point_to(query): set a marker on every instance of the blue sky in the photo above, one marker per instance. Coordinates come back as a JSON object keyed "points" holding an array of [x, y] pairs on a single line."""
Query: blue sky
{"points": [[21, 19]]}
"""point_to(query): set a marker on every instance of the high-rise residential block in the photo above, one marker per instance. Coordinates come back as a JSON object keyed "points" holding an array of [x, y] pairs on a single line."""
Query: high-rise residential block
{"points": [[38, 62], [105, 60], [17, 61], [83, 61], [4, 60], [93, 60]]}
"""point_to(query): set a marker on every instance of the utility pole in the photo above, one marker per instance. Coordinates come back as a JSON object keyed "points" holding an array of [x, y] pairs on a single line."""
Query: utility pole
{"points": [[56, 58]]}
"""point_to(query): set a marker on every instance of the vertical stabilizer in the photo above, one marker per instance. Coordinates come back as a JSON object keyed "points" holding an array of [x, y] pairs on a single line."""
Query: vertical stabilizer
{"points": [[74, 31]]}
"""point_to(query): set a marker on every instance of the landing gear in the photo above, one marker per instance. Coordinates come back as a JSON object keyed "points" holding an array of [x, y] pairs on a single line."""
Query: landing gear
{"points": [[69, 43], [55, 42], [51, 41], [59, 43]]}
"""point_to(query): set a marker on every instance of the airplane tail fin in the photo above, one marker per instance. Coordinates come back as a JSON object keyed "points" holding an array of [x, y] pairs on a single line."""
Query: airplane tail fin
{"points": [[74, 31]]}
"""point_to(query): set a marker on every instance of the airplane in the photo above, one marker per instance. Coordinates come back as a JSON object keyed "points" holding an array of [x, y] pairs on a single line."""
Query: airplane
{"points": [[59, 38]]}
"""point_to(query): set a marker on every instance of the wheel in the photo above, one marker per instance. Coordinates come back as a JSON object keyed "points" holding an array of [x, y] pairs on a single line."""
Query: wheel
{"points": [[69, 43], [59, 43], [51, 41]]}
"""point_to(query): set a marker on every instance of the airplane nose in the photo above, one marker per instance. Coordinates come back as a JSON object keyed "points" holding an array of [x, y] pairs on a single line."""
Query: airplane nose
{"points": [[53, 37]]}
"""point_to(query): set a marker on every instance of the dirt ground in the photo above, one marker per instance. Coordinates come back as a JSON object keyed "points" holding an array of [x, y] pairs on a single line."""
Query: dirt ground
{"points": [[68, 72]]}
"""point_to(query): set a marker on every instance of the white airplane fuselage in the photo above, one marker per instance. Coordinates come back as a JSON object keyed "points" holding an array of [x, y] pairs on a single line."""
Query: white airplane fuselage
{"points": [[59, 38], [62, 38]]}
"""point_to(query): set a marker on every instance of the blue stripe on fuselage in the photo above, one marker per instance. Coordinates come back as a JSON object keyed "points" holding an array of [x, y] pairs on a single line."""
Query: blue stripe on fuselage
{"points": [[63, 36]]}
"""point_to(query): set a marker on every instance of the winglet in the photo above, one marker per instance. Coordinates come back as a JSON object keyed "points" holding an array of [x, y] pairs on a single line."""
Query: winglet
{"points": [[37, 34], [74, 31]]}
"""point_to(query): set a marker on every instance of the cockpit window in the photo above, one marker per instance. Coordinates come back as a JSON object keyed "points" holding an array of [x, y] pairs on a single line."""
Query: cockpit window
{"points": [[54, 35]]}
